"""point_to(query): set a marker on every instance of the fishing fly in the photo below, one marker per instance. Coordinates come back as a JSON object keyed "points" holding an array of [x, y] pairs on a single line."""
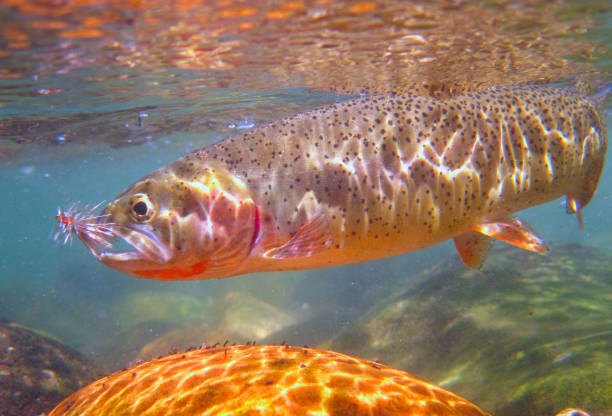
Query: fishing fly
{"points": [[90, 228]]}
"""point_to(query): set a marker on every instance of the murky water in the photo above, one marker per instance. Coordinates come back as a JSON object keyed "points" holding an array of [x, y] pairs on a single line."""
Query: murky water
{"points": [[94, 95]]}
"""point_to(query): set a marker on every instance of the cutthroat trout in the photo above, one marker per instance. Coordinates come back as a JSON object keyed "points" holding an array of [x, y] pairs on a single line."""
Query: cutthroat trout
{"points": [[359, 180]]}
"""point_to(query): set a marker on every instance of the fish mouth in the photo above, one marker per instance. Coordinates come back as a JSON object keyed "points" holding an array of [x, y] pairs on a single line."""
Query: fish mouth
{"points": [[141, 246]]}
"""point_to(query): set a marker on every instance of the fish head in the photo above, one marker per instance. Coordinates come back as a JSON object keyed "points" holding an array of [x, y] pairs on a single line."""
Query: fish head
{"points": [[184, 226]]}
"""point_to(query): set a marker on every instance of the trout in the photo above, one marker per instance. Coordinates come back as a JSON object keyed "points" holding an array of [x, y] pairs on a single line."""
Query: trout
{"points": [[359, 180]]}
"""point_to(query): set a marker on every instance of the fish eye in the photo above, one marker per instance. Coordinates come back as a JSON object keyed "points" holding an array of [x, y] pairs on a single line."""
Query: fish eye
{"points": [[141, 208]]}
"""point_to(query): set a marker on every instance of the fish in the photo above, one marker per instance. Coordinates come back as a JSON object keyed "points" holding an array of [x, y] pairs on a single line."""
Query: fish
{"points": [[266, 380], [363, 179]]}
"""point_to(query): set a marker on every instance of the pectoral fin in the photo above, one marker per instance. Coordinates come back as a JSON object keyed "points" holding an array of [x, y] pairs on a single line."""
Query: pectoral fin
{"points": [[311, 238], [513, 231], [472, 247]]}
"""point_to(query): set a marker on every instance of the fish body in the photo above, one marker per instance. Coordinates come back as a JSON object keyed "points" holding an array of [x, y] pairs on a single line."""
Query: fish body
{"points": [[363, 179]]}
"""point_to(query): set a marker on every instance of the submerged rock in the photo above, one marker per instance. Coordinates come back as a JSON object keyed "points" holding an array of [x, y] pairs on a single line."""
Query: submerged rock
{"points": [[263, 380], [36, 373], [526, 334], [238, 317], [173, 307], [155, 323], [143, 316], [245, 316]]}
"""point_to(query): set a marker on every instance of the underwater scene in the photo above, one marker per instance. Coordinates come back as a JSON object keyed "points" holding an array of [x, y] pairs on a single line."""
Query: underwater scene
{"points": [[358, 293]]}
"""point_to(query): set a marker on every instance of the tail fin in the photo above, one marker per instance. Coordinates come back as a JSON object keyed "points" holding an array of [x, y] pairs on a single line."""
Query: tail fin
{"points": [[580, 197]]}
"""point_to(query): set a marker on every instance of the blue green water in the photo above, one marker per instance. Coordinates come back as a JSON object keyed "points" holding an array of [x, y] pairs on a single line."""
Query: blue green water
{"points": [[65, 292], [106, 127]]}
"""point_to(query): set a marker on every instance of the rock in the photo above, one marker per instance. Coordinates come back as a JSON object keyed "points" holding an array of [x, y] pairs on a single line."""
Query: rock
{"points": [[527, 334], [247, 317], [174, 307], [263, 380], [236, 318], [142, 316], [36, 373]]}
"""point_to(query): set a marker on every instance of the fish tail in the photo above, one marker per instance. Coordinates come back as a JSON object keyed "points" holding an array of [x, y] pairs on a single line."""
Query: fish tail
{"points": [[580, 197]]}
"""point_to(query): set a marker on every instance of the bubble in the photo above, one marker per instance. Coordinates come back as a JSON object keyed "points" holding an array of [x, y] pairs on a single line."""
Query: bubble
{"points": [[27, 170], [141, 117]]}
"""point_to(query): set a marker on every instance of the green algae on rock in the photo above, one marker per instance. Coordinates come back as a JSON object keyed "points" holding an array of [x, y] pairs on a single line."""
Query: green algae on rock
{"points": [[524, 335], [142, 316], [247, 316], [37, 372], [237, 317], [155, 323], [157, 305]]}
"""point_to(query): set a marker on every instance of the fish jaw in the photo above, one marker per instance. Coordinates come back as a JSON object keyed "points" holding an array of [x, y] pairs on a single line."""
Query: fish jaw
{"points": [[131, 262], [149, 257], [148, 260], [147, 250]]}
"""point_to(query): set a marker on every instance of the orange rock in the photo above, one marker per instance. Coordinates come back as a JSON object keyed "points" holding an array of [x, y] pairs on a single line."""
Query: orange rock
{"points": [[362, 7], [82, 33], [293, 5], [93, 22], [14, 35], [47, 24], [263, 380], [277, 14], [242, 12]]}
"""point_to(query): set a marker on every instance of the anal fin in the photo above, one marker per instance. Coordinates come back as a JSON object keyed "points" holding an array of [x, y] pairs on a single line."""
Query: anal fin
{"points": [[513, 231], [472, 247], [311, 238]]}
